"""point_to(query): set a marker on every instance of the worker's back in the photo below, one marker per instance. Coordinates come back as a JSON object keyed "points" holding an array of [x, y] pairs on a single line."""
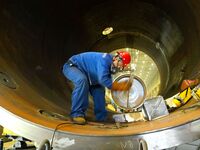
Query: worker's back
{"points": [[96, 67]]}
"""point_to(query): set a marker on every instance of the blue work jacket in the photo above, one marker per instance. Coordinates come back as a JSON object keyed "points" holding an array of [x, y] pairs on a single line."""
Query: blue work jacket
{"points": [[96, 66]]}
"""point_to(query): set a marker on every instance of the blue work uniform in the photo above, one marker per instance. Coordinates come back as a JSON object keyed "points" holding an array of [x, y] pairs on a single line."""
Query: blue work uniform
{"points": [[90, 72]]}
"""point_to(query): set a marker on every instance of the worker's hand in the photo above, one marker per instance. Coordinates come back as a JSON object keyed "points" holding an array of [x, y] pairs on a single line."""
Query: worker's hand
{"points": [[121, 86]]}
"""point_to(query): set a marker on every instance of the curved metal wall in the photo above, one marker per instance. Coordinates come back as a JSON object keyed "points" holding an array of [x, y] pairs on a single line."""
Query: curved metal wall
{"points": [[37, 37]]}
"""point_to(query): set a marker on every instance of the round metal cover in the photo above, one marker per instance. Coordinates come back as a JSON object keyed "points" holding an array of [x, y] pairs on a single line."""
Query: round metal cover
{"points": [[132, 99]]}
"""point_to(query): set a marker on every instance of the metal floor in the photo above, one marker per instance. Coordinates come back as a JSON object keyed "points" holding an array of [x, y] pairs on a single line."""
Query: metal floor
{"points": [[195, 145], [189, 146]]}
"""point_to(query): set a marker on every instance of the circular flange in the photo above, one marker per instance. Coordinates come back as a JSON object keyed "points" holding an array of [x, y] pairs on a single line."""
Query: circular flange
{"points": [[132, 99]]}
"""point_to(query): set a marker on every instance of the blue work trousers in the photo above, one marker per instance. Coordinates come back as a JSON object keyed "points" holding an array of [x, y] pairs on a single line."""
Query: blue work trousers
{"points": [[81, 92]]}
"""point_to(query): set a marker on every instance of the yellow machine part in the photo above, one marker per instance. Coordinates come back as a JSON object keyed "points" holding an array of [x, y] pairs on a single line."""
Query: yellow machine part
{"points": [[110, 107], [8, 132], [198, 92], [183, 97]]}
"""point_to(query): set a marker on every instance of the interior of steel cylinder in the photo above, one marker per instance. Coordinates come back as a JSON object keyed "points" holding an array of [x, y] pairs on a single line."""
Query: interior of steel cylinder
{"points": [[37, 38]]}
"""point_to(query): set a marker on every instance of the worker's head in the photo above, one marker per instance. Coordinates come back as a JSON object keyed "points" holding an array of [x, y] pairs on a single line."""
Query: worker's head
{"points": [[121, 60]]}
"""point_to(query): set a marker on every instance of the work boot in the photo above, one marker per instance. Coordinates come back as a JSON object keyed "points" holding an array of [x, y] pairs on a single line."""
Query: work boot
{"points": [[79, 120]]}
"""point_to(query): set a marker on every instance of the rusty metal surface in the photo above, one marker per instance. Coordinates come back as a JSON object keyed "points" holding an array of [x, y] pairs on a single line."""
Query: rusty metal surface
{"points": [[35, 44]]}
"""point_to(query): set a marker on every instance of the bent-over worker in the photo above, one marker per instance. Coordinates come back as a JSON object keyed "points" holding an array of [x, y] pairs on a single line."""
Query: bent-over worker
{"points": [[90, 73]]}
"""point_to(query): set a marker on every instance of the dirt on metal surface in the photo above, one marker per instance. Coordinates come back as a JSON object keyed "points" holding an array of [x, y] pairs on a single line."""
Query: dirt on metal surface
{"points": [[35, 44]]}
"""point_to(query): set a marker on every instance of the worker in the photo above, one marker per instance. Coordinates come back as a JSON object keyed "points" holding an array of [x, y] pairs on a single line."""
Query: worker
{"points": [[90, 73]]}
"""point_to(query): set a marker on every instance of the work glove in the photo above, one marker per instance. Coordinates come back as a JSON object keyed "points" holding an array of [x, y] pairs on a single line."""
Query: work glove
{"points": [[121, 86]]}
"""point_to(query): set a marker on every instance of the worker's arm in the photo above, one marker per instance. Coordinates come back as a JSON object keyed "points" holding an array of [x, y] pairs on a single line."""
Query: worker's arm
{"points": [[117, 86], [106, 80]]}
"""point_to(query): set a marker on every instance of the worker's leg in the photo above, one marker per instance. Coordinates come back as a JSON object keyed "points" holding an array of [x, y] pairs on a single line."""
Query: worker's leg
{"points": [[80, 91], [98, 94]]}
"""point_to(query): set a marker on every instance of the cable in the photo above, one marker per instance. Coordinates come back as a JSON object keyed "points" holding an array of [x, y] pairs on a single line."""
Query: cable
{"points": [[51, 144]]}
